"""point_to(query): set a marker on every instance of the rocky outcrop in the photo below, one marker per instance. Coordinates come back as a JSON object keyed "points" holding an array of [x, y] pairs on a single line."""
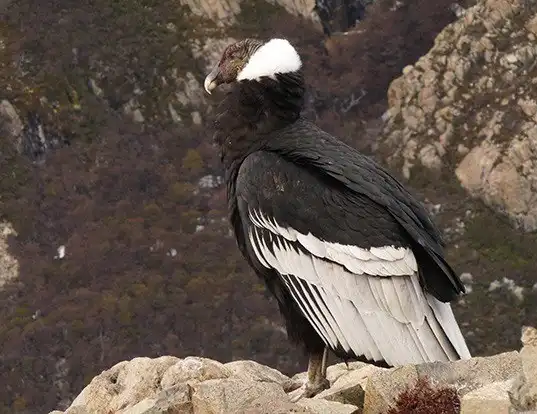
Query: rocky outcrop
{"points": [[469, 106], [523, 394], [498, 384], [224, 12], [9, 266], [333, 16], [11, 124]]}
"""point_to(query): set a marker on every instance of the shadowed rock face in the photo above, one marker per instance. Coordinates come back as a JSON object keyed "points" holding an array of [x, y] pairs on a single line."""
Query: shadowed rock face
{"points": [[468, 107], [200, 385]]}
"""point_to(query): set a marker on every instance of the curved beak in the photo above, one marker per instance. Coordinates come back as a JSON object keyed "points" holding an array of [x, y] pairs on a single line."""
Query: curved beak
{"points": [[211, 81]]}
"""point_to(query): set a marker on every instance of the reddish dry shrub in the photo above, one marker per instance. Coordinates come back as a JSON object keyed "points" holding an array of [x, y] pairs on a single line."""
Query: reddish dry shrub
{"points": [[423, 398]]}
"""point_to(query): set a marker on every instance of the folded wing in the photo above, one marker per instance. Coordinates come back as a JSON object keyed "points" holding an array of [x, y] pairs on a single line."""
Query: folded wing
{"points": [[363, 298]]}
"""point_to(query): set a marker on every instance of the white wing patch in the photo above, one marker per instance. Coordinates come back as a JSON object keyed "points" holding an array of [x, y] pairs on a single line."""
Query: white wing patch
{"points": [[275, 56], [366, 301], [376, 261]]}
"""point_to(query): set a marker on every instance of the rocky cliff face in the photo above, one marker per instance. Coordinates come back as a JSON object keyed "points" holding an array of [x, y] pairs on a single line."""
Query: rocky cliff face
{"points": [[501, 384], [468, 108], [333, 16]]}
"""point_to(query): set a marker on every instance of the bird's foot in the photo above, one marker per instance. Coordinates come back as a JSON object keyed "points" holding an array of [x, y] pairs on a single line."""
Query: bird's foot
{"points": [[309, 389], [316, 378]]}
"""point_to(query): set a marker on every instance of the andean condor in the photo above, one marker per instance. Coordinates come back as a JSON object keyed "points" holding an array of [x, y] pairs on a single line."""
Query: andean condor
{"points": [[352, 258]]}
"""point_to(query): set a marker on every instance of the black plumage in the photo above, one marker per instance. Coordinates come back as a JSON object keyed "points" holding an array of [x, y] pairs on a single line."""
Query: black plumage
{"points": [[352, 258]]}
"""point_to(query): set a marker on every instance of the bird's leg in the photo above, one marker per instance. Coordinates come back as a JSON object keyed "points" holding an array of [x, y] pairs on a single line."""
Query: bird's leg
{"points": [[324, 367], [316, 381]]}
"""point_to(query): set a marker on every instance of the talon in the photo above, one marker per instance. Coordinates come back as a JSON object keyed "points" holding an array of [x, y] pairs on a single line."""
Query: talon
{"points": [[316, 381], [310, 390]]}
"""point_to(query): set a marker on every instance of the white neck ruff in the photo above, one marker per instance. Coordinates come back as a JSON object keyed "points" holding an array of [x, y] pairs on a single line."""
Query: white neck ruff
{"points": [[275, 56]]}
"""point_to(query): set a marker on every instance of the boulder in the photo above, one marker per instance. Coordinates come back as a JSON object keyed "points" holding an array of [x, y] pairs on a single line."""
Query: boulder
{"points": [[233, 395], [523, 394], [125, 384], [465, 376], [504, 383], [491, 399]]}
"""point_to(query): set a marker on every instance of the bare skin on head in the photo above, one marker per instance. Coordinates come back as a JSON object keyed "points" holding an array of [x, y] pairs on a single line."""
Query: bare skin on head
{"points": [[251, 59], [234, 59]]}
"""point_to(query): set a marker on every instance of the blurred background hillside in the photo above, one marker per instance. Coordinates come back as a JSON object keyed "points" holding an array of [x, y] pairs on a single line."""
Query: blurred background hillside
{"points": [[114, 241]]}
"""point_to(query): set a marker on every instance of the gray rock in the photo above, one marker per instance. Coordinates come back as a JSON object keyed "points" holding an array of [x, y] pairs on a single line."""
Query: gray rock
{"points": [[9, 265], [11, 124], [468, 375], [196, 118], [125, 384], [266, 405], [253, 371], [319, 406], [190, 93], [97, 91], [490, 399], [176, 118], [383, 387], [476, 167], [333, 372], [523, 395], [172, 400], [349, 387], [78, 410], [194, 369], [131, 109], [196, 385], [232, 395], [222, 12]]}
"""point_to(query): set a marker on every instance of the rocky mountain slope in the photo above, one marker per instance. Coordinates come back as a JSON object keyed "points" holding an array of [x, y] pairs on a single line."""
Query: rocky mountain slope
{"points": [[460, 129], [500, 384], [113, 237], [469, 106]]}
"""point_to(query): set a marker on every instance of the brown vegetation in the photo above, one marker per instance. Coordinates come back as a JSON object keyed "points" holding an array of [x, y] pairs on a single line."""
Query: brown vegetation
{"points": [[123, 198], [424, 398]]}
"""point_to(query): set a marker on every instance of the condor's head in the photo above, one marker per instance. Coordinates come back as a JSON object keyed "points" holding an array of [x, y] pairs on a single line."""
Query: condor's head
{"points": [[253, 60]]}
